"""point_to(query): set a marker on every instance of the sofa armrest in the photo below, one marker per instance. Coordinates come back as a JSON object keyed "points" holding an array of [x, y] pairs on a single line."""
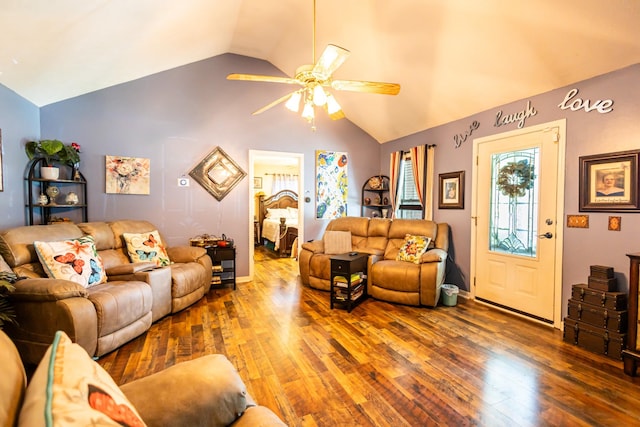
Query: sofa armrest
{"points": [[33, 290], [211, 393], [314, 246], [258, 416], [433, 255], [186, 253]]}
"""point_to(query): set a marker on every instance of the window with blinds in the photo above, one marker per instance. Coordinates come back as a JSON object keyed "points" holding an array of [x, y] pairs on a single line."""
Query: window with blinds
{"points": [[409, 206]]}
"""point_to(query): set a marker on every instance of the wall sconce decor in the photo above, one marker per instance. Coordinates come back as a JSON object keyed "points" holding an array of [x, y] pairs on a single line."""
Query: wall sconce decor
{"points": [[218, 173]]}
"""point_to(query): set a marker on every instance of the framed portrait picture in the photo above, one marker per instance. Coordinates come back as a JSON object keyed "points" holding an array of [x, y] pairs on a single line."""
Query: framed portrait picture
{"points": [[257, 183], [451, 190], [609, 182]]}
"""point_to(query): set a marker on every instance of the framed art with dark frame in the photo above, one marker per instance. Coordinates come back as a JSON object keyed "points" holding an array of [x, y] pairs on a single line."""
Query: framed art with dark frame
{"points": [[451, 190], [609, 182]]}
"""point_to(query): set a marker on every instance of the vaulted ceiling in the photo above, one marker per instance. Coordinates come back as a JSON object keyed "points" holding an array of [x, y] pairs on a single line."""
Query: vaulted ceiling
{"points": [[453, 58]]}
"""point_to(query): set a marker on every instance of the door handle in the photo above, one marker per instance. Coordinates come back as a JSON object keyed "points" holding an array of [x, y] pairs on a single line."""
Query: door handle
{"points": [[546, 235]]}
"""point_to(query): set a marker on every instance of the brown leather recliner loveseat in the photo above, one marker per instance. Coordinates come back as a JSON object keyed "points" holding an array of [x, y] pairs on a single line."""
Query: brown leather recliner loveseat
{"points": [[70, 389], [102, 317], [388, 279]]}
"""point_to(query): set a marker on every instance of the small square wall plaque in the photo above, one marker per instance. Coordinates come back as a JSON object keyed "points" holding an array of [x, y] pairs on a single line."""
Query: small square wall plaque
{"points": [[218, 173], [615, 223]]}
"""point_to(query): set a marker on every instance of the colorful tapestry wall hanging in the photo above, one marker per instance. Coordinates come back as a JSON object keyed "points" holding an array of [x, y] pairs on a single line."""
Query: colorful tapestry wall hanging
{"points": [[127, 175], [331, 184]]}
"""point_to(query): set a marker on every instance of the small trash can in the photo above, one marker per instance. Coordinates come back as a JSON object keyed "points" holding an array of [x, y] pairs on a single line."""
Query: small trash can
{"points": [[449, 295]]}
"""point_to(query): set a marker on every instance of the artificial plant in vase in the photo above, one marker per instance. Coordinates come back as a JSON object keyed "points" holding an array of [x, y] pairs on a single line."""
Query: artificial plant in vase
{"points": [[54, 150]]}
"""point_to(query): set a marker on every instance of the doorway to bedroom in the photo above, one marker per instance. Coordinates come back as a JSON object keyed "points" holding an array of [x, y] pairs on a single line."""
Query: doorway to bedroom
{"points": [[280, 174]]}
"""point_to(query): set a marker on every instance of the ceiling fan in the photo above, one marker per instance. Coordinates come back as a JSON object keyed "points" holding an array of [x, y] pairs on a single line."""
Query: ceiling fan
{"points": [[313, 80]]}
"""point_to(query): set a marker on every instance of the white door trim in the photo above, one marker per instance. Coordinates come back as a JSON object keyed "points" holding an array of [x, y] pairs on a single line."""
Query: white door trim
{"points": [[259, 154], [561, 124]]}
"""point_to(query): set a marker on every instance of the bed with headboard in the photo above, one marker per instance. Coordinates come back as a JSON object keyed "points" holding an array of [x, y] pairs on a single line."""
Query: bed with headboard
{"points": [[278, 219]]}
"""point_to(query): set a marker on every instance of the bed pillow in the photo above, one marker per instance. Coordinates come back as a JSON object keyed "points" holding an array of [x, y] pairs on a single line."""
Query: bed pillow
{"points": [[277, 213], [146, 247], [292, 213], [74, 259], [413, 249], [69, 389], [337, 242]]}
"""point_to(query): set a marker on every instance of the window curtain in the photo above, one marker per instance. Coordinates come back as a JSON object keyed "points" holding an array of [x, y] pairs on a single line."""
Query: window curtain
{"points": [[418, 166], [422, 162], [394, 176], [429, 181], [284, 181]]}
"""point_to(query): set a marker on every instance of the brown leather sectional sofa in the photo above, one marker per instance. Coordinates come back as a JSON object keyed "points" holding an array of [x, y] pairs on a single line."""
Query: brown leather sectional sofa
{"points": [[388, 279], [102, 317]]}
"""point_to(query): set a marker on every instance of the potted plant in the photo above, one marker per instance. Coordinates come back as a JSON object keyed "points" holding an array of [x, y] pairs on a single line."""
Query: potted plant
{"points": [[53, 150], [7, 313]]}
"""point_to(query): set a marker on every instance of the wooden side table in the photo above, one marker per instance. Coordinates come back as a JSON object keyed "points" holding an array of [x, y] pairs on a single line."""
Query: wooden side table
{"points": [[223, 260], [348, 279]]}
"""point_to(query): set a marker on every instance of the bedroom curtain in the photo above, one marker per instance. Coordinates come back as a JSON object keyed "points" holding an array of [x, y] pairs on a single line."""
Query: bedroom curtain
{"points": [[284, 181], [394, 176]]}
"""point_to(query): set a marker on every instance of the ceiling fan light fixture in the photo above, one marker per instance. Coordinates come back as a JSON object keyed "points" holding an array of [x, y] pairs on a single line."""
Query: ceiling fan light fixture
{"points": [[333, 108], [308, 112], [293, 104], [319, 96]]}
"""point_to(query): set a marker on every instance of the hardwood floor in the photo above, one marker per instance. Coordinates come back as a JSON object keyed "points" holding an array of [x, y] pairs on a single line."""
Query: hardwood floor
{"points": [[385, 364]]}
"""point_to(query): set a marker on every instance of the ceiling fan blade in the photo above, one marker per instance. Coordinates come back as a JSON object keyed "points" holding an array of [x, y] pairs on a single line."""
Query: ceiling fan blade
{"points": [[260, 78], [332, 58], [273, 104], [368, 87]]}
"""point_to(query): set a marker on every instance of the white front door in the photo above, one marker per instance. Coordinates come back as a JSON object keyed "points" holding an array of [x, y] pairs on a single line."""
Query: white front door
{"points": [[517, 207]]}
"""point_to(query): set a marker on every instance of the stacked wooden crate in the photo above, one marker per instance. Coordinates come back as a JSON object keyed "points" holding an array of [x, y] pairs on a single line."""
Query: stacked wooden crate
{"points": [[597, 314]]}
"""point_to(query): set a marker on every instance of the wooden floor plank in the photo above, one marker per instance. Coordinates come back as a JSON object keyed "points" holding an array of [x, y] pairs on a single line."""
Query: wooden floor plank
{"points": [[385, 364]]}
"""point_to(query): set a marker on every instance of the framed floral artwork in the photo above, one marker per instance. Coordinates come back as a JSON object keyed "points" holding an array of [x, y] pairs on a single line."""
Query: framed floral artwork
{"points": [[127, 175]]}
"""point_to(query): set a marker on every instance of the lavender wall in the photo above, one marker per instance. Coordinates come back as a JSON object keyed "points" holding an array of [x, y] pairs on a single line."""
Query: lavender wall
{"points": [[19, 122], [175, 118], [587, 133]]}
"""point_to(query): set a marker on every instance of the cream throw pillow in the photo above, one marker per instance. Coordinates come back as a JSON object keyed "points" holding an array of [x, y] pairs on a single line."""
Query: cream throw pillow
{"points": [[337, 242], [74, 259], [70, 389], [146, 247]]}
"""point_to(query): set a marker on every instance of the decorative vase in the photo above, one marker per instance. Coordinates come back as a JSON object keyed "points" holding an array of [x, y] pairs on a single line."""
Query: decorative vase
{"points": [[49, 172], [76, 172], [53, 192], [71, 199]]}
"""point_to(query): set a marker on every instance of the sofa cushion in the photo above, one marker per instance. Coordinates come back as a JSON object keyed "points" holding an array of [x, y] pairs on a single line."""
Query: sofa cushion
{"points": [[74, 259], [146, 247], [70, 389], [337, 242], [413, 249]]}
